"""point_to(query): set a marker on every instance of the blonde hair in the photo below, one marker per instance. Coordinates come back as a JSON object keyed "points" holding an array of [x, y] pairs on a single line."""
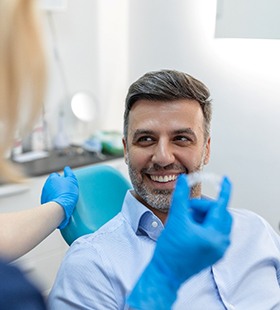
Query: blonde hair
{"points": [[22, 75]]}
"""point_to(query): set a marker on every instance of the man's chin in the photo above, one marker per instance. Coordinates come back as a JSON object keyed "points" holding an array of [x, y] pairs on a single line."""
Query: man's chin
{"points": [[161, 203], [162, 192], [156, 199]]}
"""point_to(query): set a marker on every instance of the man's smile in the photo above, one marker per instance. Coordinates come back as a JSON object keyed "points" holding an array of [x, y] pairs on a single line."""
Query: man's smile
{"points": [[163, 178]]}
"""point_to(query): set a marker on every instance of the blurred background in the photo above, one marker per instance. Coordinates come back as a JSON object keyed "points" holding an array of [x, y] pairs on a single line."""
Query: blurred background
{"points": [[105, 45]]}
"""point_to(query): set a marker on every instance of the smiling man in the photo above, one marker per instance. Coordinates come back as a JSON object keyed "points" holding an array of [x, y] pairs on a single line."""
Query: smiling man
{"points": [[167, 133], [164, 139]]}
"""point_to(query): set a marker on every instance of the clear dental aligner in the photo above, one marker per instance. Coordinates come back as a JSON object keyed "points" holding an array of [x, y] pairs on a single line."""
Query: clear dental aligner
{"points": [[205, 177]]}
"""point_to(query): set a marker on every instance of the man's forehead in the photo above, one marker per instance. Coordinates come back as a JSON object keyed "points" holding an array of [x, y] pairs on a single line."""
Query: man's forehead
{"points": [[177, 115]]}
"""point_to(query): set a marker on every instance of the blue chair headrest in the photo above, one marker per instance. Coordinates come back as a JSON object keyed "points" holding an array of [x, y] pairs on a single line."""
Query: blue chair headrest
{"points": [[101, 193]]}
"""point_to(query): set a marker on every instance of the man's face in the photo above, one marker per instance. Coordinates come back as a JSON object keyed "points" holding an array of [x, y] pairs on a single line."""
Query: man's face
{"points": [[164, 140]]}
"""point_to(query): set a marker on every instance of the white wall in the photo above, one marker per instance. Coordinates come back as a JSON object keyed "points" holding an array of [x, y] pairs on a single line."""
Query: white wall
{"points": [[91, 39], [257, 19], [76, 31], [244, 80], [243, 77]]}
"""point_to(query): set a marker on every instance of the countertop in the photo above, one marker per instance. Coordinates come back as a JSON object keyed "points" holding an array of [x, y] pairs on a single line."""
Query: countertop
{"points": [[57, 160]]}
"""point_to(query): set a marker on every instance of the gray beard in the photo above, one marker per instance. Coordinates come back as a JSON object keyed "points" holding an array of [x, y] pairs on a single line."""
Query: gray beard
{"points": [[157, 199]]}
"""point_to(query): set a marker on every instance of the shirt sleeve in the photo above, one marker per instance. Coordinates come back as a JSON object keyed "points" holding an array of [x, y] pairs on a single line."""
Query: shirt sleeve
{"points": [[83, 281], [275, 237]]}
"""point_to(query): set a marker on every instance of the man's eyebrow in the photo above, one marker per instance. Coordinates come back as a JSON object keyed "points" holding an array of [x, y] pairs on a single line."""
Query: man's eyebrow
{"points": [[187, 131], [139, 132], [181, 131]]}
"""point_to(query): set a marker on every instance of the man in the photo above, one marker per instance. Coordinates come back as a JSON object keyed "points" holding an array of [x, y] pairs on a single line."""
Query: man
{"points": [[166, 134]]}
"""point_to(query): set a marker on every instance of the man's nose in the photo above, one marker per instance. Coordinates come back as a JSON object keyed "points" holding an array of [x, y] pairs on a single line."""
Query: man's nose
{"points": [[163, 154]]}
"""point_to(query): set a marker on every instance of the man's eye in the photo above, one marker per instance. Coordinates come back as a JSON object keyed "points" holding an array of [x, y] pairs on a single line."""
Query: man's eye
{"points": [[182, 139], [145, 139]]}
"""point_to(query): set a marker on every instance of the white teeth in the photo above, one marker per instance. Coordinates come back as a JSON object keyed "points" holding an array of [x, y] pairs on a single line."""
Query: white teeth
{"points": [[163, 179]]}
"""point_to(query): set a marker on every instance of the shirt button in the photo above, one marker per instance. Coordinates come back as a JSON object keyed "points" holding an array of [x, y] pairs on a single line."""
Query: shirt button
{"points": [[155, 224]]}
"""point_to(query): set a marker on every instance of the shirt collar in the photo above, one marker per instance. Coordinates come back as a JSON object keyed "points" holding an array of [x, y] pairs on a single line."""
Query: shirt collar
{"points": [[142, 220]]}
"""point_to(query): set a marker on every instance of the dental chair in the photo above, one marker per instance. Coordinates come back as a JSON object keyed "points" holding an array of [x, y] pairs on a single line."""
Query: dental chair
{"points": [[101, 193]]}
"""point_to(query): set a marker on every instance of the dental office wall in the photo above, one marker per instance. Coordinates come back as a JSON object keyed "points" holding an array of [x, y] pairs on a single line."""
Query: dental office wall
{"points": [[87, 50], [107, 44]]}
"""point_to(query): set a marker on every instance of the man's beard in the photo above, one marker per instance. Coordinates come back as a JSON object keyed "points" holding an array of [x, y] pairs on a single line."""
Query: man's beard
{"points": [[156, 198]]}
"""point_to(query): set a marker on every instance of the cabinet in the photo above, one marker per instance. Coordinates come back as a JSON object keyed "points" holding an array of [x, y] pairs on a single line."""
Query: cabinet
{"points": [[42, 263]]}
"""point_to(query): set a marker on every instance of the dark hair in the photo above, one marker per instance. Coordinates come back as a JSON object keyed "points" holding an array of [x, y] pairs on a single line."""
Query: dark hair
{"points": [[166, 85]]}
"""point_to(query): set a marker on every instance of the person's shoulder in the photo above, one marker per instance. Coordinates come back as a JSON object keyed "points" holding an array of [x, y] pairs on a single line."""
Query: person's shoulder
{"points": [[114, 231], [96, 249], [244, 213], [248, 218]]}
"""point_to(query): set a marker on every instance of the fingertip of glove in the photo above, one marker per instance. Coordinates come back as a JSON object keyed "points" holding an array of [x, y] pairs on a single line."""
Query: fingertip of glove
{"points": [[181, 187], [226, 186], [181, 180], [53, 174], [68, 171], [226, 180]]}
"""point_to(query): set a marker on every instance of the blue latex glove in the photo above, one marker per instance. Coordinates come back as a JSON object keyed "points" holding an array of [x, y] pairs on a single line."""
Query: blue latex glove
{"points": [[64, 191], [196, 235]]}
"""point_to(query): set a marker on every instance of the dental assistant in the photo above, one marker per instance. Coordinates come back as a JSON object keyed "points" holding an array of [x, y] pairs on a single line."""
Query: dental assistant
{"points": [[23, 74], [22, 83]]}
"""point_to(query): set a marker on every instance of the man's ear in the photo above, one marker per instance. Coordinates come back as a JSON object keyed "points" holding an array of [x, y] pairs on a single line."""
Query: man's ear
{"points": [[125, 150], [207, 151]]}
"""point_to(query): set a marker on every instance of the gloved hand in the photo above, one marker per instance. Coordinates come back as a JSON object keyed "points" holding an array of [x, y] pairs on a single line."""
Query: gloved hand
{"points": [[64, 191], [196, 235]]}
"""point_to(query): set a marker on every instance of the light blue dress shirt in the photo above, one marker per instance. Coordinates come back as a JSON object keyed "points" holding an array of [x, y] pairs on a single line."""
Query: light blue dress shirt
{"points": [[100, 269]]}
